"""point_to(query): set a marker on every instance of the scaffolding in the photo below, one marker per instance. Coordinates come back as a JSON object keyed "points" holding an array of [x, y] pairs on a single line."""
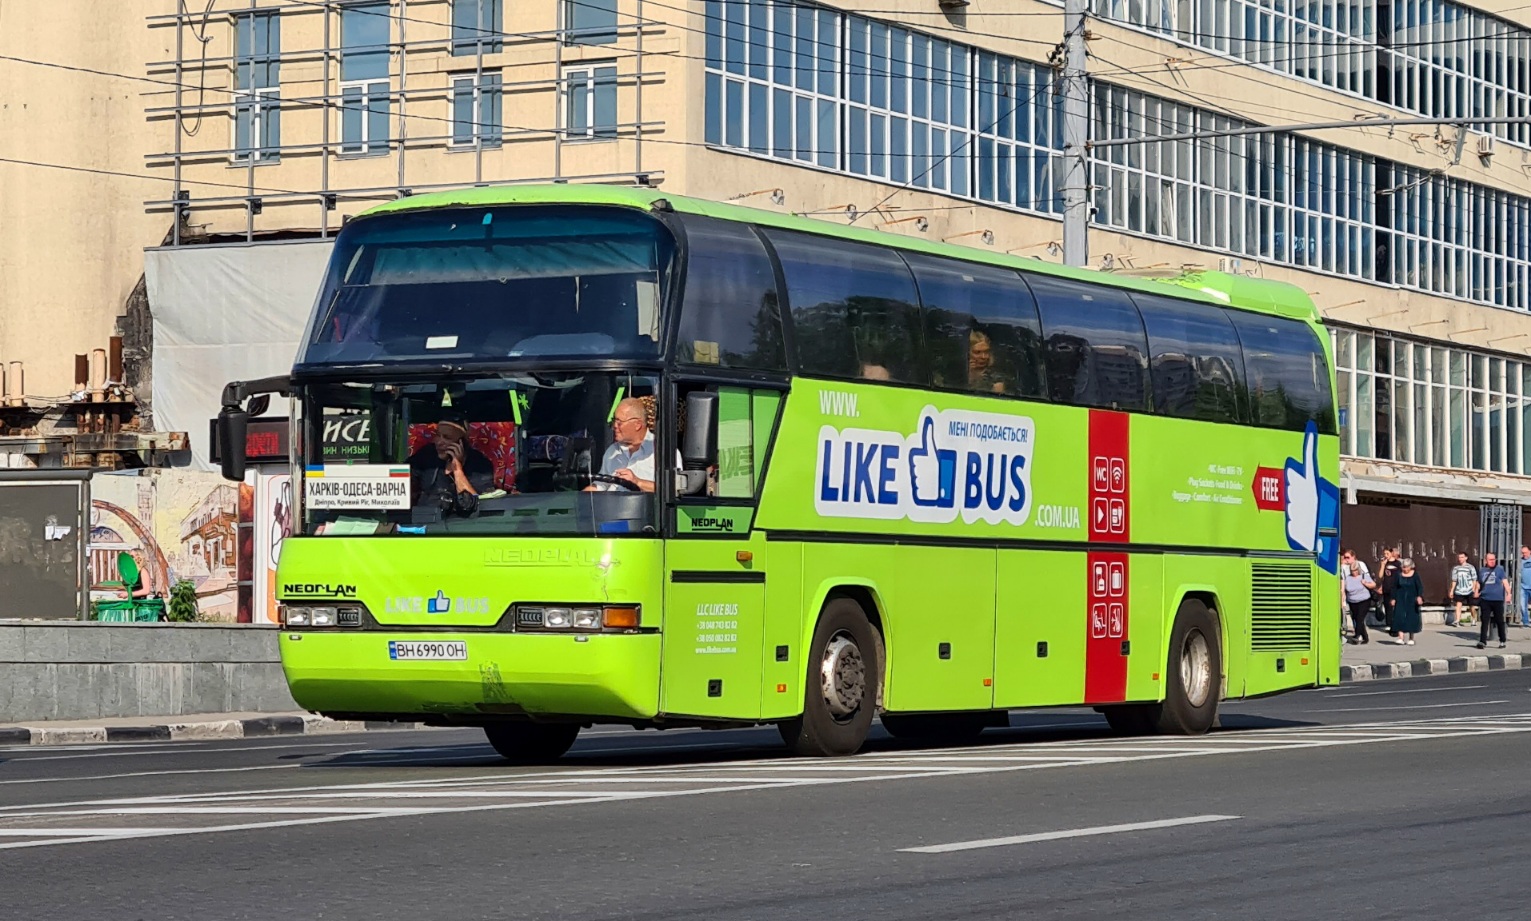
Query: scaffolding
{"points": [[202, 88]]}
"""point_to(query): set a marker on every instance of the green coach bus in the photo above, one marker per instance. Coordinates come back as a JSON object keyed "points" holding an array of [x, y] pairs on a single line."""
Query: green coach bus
{"points": [[584, 454]]}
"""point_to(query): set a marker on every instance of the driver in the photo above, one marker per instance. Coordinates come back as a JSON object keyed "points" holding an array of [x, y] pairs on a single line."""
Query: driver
{"points": [[448, 473], [631, 455]]}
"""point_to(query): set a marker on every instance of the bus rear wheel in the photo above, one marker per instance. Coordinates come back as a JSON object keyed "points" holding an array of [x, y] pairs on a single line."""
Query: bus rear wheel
{"points": [[1194, 670], [1193, 674], [840, 693], [937, 728], [531, 743]]}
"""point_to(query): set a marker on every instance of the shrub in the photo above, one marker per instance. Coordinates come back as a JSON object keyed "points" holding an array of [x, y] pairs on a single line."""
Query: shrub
{"points": [[182, 607]]}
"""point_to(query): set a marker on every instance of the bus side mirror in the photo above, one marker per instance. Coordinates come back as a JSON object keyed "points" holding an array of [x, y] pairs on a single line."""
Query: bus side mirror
{"points": [[232, 423], [699, 442]]}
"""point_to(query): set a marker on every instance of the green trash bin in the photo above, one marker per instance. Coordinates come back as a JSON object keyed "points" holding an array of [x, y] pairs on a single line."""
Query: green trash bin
{"points": [[130, 610]]}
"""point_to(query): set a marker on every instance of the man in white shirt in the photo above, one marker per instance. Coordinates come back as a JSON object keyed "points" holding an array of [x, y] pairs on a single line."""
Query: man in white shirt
{"points": [[631, 455]]}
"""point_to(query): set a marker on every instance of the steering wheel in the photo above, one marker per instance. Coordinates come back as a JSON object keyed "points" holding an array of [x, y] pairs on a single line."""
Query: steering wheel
{"points": [[617, 481]]}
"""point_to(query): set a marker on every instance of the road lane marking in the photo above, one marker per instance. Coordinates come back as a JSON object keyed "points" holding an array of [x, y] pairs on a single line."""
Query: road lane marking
{"points": [[1476, 703], [1465, 687], [1071, 833]]}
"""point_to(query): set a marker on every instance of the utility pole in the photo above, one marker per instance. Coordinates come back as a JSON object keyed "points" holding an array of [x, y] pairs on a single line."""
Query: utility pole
{"points": [[1076, 130]]}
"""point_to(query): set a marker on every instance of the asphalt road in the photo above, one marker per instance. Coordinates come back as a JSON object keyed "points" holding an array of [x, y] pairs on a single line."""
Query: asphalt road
{"points": [[1397, 799]]}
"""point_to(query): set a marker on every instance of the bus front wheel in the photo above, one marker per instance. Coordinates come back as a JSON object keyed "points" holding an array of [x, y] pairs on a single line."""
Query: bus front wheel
{"points": [[531, 743], [840, 692]]}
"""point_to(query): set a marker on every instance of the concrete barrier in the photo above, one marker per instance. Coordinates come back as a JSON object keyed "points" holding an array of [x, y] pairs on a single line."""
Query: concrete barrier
{"points": [[74, 670]]}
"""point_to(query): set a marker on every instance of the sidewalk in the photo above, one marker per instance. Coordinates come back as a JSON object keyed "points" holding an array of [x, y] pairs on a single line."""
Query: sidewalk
{"points": [[186, 728], [1439, 650]]}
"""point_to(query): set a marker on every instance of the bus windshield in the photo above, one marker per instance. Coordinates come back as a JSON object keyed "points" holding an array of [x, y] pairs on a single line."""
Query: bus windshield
{"points": [[458, 285], [556, 453]]}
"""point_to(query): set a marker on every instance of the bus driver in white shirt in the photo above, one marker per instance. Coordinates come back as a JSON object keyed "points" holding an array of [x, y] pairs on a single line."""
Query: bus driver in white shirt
{"points": [[631, 455]]}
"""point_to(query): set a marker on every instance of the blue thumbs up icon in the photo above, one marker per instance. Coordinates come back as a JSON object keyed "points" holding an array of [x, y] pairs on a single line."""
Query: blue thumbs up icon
{"points": [[441, 604], [932, 471]]}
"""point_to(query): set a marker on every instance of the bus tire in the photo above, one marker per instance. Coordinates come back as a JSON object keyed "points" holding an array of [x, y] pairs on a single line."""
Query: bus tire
{"points": [[840, 690], [937, 728], [1194, 671], [531, 743]]}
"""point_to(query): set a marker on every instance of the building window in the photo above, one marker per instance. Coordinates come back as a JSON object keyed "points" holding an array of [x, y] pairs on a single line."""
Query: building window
{"points": [[590, 109], [590, 22], [365, 100], [257, 112], [1434, 406], [476, 104], [477, 27]]}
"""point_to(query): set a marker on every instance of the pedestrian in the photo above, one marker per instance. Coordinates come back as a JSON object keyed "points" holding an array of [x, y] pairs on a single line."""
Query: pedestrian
{"points": [[1408, 598], [1387, 578], [1490, 591], [1463, 575], [1357, 591], [1522, 571]]}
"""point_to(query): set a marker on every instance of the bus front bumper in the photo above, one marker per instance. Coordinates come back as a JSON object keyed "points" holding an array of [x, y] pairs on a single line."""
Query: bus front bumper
{"points": [[503, 674]]}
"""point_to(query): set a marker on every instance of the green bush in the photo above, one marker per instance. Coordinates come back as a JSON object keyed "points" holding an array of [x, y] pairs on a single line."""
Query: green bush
{"points": [[183, 602]]}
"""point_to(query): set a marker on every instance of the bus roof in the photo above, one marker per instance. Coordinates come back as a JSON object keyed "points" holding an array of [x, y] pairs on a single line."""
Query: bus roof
{"points": [[1239, 291]]}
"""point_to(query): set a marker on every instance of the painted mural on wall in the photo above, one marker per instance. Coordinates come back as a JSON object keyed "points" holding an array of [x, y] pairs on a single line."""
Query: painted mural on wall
{"points": [[182, 524]]}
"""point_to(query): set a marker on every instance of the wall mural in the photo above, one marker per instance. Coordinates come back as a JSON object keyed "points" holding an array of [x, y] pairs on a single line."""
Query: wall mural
{"points": [[183, 524]]}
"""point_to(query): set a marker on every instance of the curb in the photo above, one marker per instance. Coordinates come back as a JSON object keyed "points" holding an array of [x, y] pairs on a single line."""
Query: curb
{"points": [[206, 730], [1417, 668]]}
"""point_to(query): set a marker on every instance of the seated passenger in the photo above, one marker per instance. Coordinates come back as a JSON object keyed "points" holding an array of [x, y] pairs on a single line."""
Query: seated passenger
{"points": [[448, 473], [981, 373]]}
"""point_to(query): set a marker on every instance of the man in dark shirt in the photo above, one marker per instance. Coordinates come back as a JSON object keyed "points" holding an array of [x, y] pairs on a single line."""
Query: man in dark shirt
{"points": [[1387, 581], [448, 473]]}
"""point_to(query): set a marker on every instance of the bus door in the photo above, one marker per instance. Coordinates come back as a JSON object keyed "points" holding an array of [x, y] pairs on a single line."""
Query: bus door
{"points": [[715, 572]]}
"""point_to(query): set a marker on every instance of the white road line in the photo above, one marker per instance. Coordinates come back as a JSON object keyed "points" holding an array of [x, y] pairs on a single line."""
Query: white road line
{"points": [[128, 748], [70, 833], [1347, 696], [95, 777], [1072, 833], [1476, 703]]}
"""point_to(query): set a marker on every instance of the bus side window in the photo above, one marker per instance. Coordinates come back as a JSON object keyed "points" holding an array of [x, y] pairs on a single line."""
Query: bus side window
{"points": [[1096, 346], [1288, 375], [731, 313], [745, 420], [1194, 357], [855, 311], [982, 333]]}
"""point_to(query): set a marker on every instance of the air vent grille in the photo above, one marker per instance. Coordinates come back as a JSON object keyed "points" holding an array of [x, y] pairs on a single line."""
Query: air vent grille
{"points": [[1281, 614]]}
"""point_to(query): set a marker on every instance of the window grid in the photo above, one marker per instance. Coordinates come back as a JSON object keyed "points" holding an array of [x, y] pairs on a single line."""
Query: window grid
{"points": [[1433, 406], [257, 105], [896, 103], [590, 102], [1434, 57], [476, 107]]}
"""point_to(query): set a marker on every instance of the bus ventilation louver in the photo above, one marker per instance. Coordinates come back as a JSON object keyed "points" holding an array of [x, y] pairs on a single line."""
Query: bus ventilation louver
{"points": [[1281, 618]]}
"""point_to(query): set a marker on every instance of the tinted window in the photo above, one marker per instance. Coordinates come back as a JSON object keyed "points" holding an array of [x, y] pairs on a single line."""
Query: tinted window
{"points": [[1288, 376], [449, 285], [730, 316], [854, 309], [1095, 344], [981, 328], [1194, 357]]}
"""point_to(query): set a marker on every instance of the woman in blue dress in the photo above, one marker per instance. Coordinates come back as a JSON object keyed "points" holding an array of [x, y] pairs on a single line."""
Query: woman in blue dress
{"points": [[1408, 598]]}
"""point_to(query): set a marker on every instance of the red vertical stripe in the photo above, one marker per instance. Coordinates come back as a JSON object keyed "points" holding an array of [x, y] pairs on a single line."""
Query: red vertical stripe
{"points": [[1106, 608]]}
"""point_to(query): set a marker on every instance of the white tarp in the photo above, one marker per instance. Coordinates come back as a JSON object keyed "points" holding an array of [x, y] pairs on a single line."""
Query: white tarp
{"points": [[225, 313]]}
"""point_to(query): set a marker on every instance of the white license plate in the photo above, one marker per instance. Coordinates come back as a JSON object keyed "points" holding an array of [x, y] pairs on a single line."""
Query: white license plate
{"points": [[414, 651]]}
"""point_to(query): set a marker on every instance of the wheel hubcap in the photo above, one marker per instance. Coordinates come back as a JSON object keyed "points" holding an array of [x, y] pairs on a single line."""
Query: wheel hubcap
{"points": [[844, 676], [1196, 669]]}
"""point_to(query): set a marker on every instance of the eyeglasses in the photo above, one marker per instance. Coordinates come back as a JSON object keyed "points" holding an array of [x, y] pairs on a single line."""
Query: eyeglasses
{"points": [[617, 423]]}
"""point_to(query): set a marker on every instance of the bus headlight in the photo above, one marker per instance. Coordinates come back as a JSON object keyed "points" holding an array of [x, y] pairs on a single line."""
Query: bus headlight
{"points": [[325, 615], [533, 618]]}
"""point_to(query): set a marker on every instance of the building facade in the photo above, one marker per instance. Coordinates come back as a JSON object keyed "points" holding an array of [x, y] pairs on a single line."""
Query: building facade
{"points": [[943, 120]]}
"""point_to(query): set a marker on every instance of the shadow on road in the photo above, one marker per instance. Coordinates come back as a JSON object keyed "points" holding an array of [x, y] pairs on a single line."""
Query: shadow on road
{"points": [[690, 747]]}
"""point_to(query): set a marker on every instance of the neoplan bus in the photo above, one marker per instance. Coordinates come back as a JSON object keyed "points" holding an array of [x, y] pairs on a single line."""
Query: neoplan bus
{"points": [[892, 478]]}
